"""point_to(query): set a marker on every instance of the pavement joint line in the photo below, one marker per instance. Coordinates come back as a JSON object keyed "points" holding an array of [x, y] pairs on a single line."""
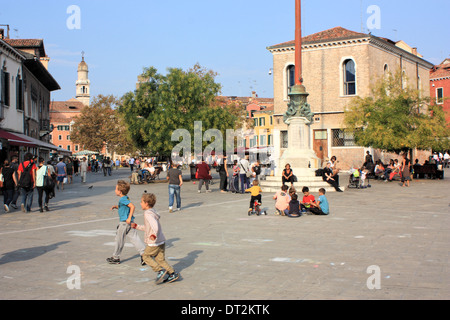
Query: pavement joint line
{"points": [[108, 219]]}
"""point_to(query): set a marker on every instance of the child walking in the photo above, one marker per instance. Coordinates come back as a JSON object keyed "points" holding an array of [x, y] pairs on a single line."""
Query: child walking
{"points": [[125, 211], [154, 254]]}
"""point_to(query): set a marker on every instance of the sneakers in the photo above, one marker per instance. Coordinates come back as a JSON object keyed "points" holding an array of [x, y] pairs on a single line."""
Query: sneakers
{"points": [[160, 276], [170, 210], [113, 260], [143, 262], [22, 206], [6, 208], [172, 277]]}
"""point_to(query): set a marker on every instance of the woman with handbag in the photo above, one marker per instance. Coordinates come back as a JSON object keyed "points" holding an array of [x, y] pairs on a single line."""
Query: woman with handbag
{"points": [[44, 183]]}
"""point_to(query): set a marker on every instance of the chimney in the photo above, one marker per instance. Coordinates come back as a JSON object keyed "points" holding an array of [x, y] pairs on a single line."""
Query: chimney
{"points": [[2, 34], [414, 51]]}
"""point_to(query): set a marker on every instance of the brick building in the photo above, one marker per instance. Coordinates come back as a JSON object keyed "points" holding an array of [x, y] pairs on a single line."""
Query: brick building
{"points": [[440, 86], [62, 115], [338, 65]]}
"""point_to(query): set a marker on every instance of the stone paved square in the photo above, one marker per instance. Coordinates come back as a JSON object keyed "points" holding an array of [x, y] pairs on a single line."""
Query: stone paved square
{"points": [[223, 254]]}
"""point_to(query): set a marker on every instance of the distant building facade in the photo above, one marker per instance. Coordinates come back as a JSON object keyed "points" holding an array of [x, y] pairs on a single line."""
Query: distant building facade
{"points": [[338, 65], [440, 86]]}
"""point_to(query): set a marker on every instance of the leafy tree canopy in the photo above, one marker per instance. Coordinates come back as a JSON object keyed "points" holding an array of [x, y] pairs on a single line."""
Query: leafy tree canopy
{"points": [[100, 124], [164, 103], [397, 118]]}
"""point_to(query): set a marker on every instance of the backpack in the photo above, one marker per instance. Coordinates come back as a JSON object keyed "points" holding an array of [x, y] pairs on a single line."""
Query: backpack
{"points": [[25, 178]]}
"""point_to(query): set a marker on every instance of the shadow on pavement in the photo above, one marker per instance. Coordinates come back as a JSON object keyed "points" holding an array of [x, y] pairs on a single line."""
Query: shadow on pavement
{"points": [[29, 253]]}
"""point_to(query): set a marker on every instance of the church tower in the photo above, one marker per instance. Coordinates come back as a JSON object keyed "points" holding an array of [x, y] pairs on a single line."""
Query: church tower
{"points": [[83, 83]]}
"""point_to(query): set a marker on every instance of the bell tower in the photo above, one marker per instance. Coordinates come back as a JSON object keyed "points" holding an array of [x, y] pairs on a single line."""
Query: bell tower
{"points": [[83, 83]]}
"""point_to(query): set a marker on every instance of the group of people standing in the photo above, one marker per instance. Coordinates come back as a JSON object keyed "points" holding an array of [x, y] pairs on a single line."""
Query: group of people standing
{"points": [[22, 178], [235, 178]]}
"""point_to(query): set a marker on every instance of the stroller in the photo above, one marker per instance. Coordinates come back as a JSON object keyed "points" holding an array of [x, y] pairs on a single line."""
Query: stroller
{"points": [[354, 179], [234, 184], [358, 179]]}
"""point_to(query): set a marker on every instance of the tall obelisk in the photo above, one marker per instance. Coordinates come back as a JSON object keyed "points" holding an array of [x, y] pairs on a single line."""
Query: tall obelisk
{"points": [[298, 116]]}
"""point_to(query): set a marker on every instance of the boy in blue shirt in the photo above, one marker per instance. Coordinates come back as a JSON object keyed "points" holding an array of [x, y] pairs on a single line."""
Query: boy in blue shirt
{"points": [[125, 211], [320, 207]]}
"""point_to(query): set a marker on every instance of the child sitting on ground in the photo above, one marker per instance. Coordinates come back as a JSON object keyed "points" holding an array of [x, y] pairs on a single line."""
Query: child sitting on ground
{"points": [[308, 199], [320, 207], [255, 192], [294, 207], [282, 200]]}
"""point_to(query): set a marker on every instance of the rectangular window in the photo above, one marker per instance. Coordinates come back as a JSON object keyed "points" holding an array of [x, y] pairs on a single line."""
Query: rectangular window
{"points": [[342, 138], [270, 140], [440, 95], [262, 140], [254, 142], [262, 122], [5, 88], [320, 135], [255, 122], [68, 138], [19, 94], [60, 137], [284, 139]]}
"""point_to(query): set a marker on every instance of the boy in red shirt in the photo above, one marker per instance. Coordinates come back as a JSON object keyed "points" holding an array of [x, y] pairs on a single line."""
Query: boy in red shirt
{"points": [[308, 199]]}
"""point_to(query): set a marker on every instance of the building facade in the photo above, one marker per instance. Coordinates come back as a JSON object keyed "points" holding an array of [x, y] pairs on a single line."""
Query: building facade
{"points": [[62, 115], [26, 87], [440, 87], [338, 65]]}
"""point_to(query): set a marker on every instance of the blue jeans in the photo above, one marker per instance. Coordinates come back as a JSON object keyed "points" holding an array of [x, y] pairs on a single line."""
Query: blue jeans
{"points": [[174, 190], [244, 182], [27, 198]]}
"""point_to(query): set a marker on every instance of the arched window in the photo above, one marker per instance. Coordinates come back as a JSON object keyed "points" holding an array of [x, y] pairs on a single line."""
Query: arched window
{"points": [[349, 77], [290, 76], [386, 71]]}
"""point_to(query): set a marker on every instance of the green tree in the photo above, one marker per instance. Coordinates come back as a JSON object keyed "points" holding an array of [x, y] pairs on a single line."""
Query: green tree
{"points": [[164, 103], [100, 124], [396, 118]]}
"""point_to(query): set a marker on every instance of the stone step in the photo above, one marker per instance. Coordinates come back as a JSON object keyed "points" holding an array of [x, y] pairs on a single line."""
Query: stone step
{"points": [[279, 179], [315, 189], [298, 183]]}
